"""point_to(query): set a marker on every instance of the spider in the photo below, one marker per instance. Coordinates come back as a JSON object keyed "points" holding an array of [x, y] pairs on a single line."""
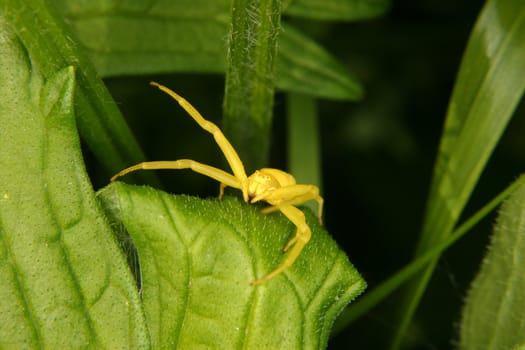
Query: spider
{"points": [[276, 187]]}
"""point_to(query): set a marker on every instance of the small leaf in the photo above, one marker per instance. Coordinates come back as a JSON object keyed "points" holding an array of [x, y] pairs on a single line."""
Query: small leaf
{"points": [[345, 10], [175, 36], [65, 283], [493, 313], [198, 258]]}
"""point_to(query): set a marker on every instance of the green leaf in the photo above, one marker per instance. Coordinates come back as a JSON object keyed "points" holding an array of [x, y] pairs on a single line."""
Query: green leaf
{"points": [[488, 88], [65, 284], [198, 258], [493, 313], [176, 36], [345, 10], [102, 127], [305, 67], [125, 38]]}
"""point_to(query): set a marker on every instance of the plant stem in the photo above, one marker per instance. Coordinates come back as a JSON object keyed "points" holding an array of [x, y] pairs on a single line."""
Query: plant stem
{"points": [[304, 159], [248, 100]]}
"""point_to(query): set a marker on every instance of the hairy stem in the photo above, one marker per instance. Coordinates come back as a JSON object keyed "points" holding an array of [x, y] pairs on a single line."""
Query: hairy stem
{"points": [[249, 90]]}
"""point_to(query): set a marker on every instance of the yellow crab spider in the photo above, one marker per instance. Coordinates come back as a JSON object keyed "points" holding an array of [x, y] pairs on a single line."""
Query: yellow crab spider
{"points": [[273, 186]]}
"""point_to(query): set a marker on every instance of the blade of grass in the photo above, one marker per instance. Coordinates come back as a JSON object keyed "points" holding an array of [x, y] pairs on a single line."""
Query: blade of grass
{"points": [[489, 86], [248, 100], [382, 291]]}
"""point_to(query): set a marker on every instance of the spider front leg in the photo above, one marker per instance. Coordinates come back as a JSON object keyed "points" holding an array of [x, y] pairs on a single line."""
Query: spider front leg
{"points": [[217, 174], [297, 243], [226, 147]]}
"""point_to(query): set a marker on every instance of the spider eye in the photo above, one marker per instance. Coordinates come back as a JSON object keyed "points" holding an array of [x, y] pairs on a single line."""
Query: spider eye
{"points": [[260, 182]]}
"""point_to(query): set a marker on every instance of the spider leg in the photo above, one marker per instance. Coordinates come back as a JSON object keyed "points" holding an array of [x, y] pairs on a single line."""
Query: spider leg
{"points": [[226, 147], [221, 190], [297, 243], [217, 174], [290, 243], [291, 195]]}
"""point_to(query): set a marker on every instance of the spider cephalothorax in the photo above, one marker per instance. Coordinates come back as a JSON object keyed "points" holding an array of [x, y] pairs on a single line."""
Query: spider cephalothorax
{"points": [[274, 186]]}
